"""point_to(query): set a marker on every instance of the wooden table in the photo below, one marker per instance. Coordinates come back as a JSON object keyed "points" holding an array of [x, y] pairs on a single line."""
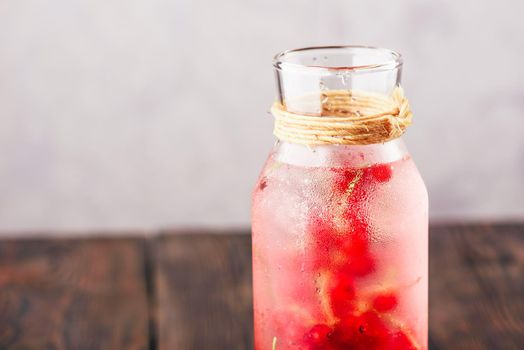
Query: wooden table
{"points": [[179, 290]]}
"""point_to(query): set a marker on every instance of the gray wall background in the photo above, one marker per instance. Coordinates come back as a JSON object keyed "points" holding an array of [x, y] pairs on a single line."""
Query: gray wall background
{"points": [[152, 113]]}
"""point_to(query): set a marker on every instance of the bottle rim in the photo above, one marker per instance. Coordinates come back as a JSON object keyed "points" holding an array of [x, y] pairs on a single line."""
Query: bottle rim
{"points": [[286, 60]]}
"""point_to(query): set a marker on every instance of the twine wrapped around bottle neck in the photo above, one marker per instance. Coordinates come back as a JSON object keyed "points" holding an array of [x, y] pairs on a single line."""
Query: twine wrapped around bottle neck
{"points": [[347, 117]]}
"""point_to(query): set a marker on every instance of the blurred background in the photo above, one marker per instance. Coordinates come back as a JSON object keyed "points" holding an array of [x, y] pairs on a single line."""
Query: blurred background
{"points": [[150, 114]]}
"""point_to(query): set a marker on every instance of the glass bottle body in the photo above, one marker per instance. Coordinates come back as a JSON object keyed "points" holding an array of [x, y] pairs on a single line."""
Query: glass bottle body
{"points": [[340, 249]]}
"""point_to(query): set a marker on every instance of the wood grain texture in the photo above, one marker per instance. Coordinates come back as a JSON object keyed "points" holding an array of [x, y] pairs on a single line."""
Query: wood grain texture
{"points": [[203, 289], [73, 294], [477, 287], [187, 291]]}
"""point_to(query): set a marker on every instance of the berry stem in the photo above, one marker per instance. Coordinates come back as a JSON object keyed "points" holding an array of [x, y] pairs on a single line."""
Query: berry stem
{"points": [[400, 325], [344, 205]]}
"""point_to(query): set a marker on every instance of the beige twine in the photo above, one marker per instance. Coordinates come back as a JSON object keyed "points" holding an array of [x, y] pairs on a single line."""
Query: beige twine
{"points": [[348, 117]]}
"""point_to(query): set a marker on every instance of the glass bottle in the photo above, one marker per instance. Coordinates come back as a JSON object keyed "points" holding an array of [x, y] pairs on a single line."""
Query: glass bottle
{"points": [[340, 227]]}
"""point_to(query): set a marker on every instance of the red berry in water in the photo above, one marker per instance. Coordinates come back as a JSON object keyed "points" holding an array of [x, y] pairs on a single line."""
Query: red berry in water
{"points": [[385, 302], [361, 266], [366, 331], [355, 243], [318, 336], [372, 331], [371, 324], [345, 333], [357, 231], [358, 260], [342, 295], [381, 172]]}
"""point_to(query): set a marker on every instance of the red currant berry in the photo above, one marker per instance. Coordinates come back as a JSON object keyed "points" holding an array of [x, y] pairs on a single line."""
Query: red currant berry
{"points": [[354, 245], [381, 172], [385, 302], [345, 332], [358, 261], [366, 331], [342, 295], [362, 265], [372, 331], [370, 323]]}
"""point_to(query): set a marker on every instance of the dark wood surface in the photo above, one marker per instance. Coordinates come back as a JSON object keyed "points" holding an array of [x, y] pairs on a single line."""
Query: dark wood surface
{"points": [[477, 287], [192, 290], [73, 294], [203, 291]]}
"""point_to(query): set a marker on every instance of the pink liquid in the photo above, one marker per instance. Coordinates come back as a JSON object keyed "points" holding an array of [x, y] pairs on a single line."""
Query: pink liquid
{"points": [[340, 256]]}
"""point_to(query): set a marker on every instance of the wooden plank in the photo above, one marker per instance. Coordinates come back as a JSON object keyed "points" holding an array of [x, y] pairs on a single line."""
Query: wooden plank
{"points": [[203, 292], [73, 294], [477, 287], [92, 294]]}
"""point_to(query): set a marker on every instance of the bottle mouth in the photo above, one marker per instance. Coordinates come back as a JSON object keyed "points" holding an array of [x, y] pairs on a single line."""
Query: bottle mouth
{"points": [[350, 58]]}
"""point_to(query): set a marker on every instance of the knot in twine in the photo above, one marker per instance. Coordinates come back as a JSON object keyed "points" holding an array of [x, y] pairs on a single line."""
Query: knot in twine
{"points": [[347, 117]]}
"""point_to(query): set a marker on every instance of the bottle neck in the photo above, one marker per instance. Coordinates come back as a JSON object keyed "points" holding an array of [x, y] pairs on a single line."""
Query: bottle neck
{"points": [[352, 156], [315, 71], [339, 106]]}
